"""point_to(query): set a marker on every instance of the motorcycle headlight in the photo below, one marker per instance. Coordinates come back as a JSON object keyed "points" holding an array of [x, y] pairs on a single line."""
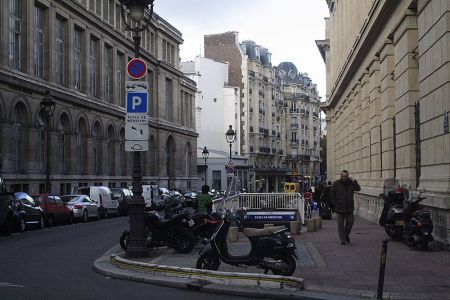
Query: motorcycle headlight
{"points": [[290, 245]]}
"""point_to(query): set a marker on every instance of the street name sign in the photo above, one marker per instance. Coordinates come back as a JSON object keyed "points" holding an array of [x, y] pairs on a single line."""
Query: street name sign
{"points": [[136, 118]]}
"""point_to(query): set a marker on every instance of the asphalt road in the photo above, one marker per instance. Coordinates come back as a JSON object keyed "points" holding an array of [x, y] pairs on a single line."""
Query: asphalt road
{"points": [[56, 263]]}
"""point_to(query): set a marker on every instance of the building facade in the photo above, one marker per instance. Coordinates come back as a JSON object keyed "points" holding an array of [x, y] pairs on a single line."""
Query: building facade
{"points": [[277, 112], [387, 102], [302, 124], [217, 107], [78, 50]]}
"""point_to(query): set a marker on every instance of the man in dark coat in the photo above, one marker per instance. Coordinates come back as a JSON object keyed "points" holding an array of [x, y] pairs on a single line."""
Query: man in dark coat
{"points": [[342, 192]]}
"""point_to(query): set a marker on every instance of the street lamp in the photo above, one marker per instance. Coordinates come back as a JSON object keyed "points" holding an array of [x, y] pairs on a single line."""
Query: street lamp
{"points": [[231, 137], [205, 155], [136, 242], [47, 109]]}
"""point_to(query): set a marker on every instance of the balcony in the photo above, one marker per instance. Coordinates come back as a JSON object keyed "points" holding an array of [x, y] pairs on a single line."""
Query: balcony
{"points": [[294, 143], [264, 150], [294, 126], [294, 110]]}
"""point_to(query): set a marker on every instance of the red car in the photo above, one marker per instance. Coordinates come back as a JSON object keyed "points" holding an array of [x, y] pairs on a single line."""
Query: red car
{"points": [[55, 210]]}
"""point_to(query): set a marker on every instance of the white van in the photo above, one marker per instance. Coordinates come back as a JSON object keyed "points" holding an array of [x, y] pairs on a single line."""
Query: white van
{"points": [[103, 196], [150, 193]]}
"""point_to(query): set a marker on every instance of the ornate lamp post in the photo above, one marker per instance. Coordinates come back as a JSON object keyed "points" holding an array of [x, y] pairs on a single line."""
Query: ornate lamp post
{"points": [[231, 137], [136, 242], [205, 155], [47, 109]]}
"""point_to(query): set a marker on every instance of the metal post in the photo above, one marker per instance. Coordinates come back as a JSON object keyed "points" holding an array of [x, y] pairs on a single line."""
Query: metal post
{"points": [[47, 167], [382, 268], [206, 173], [230, 150], [136, 242]]}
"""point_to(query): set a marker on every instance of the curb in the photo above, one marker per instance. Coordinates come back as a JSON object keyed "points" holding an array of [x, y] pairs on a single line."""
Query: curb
{"points": [[205, 277], [135, 271]]}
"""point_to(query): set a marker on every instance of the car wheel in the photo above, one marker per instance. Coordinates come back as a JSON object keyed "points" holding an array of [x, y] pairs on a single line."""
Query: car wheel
{"points": [[70, 219], [41, 222], [50, 221], [22, 224], [85, 216]]}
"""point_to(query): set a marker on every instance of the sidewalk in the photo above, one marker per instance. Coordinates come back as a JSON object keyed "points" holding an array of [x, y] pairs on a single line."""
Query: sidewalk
{"points": [[330, 270]]}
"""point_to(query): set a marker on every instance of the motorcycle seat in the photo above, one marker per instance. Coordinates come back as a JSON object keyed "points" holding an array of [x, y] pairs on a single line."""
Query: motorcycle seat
{"points": [[252, 232]]}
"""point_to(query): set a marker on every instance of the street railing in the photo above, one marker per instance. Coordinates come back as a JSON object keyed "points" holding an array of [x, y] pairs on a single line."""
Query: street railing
{"points": [[269, 201]]}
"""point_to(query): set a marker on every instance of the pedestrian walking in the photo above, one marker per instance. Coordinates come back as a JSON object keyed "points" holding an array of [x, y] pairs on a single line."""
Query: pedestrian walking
{"points": [[204, 201], [342, 192]]}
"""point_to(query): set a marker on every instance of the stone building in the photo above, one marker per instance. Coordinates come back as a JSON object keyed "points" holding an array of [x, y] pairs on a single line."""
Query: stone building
{"points": [[387, 105], [261, 126], [78, 50], [302, 123]]}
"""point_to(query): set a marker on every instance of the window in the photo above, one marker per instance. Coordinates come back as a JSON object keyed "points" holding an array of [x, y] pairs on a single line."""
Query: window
{"points": [[169, 100], [107, 73], [216, 179], [59, 51], [93, 66], [119, 93], [15, 33], [77, 59], [38, 49]]}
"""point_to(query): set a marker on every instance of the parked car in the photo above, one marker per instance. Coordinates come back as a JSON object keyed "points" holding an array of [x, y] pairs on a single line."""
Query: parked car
{"points": [[83, 207], [103, 196], [123, 195], [55, 210], [30, 213], [8, 216]]}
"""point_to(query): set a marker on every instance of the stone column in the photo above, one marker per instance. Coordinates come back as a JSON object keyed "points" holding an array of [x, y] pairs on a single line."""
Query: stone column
{"points": [[375, 134], [406, 96], [365, 129], [387, 109], [357, 141]]}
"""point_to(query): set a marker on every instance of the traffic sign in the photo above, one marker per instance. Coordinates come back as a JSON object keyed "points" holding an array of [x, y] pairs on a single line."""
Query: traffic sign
{"points": [[230, 164], [137, 102], [134, 86], [136, 132], [137, 68], [136, 146], [136, 118]]}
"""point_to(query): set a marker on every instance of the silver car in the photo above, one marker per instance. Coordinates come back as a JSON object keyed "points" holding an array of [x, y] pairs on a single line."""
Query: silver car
{"points": [[82, 206]]}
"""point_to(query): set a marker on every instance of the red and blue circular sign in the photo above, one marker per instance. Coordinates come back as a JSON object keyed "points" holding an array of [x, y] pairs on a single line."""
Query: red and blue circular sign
{"points": [[137, 68]]}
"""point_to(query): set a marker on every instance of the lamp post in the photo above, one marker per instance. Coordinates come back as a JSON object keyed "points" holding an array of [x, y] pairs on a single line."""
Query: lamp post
{"points": [[136, 242], [231, 137], [205, 155], [47, 109]]}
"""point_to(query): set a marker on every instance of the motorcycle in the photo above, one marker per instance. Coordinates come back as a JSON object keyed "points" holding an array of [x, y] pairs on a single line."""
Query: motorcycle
{"points": [[419, 225], [174, 232], [204, 226], [271, 248], [392, 216]]}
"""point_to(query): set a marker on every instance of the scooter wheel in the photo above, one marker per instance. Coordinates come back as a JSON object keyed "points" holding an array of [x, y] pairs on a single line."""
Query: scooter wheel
{"points": [[208, 261], [124, 240], [394, 232], [290, 265], [184, 240]]}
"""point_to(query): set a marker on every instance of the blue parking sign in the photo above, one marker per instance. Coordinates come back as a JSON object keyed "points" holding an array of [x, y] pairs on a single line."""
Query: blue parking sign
{"points": [[137, 102]]}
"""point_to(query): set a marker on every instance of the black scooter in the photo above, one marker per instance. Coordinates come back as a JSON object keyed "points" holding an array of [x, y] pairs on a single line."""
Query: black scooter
{"points": [[205, 225], [173, 232], [271, 249], [419, 225], [392, 216]]}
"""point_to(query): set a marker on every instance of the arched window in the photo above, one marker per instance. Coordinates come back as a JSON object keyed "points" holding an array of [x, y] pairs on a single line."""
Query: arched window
{"points": [[188, 158], [122, 154], [152, 152], [82, 135], [64, 145], [20, 138], [97, 148], [170, 159], [111, 160]]}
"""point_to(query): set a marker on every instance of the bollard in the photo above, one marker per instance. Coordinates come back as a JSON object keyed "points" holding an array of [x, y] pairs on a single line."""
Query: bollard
{"points": [[294, 227], [382, 268], [318, 221], [311, 225]]}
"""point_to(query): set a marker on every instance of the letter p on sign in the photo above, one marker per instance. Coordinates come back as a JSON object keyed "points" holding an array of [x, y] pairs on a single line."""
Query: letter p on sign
{"points": [[137, 102]]}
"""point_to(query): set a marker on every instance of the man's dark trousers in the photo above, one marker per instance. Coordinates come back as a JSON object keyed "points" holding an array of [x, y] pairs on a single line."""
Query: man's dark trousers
{"points": [[345, 222]]}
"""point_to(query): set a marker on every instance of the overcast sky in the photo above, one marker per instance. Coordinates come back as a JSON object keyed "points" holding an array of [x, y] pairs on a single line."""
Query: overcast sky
{"points": [[287, 28]]}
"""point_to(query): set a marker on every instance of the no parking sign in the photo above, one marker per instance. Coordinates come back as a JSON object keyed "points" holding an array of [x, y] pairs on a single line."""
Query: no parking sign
{"points": [[137, 68]]}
